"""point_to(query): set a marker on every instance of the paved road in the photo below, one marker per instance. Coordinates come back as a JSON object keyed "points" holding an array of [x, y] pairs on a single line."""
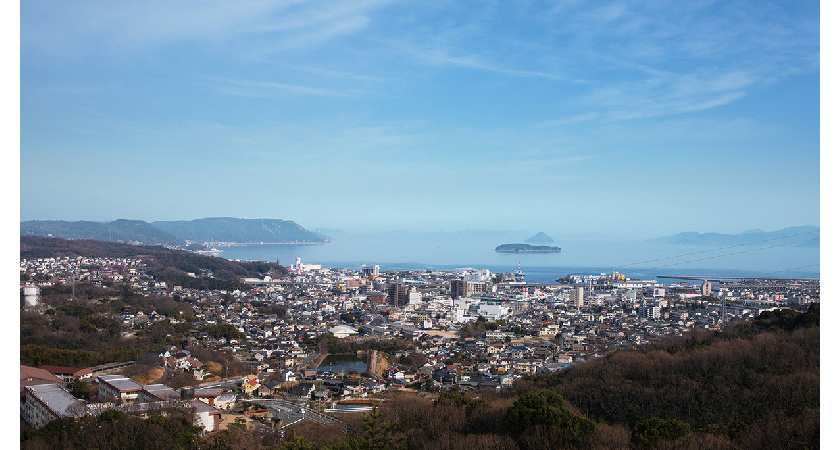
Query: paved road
{"points": [[308, 359], [374, 358], [290, 412], [227, 382]]}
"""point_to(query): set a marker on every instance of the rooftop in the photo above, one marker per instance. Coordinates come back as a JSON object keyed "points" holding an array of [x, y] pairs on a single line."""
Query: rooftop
{"points": [[58, 400]]}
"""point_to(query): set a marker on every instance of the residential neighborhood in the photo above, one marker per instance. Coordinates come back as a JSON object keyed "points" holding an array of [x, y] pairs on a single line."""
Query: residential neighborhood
{"points": [[324, 336]]}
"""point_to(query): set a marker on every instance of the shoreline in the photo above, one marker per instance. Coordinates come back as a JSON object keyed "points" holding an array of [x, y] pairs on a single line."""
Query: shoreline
{"points": [[317, 361], [246, 244], [528, 251]]}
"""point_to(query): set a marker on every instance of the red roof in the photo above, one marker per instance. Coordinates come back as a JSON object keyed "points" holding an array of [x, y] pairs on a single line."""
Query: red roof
{"points": [[74, 371]]}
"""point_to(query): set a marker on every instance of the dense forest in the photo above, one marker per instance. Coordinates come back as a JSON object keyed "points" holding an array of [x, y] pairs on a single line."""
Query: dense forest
{"points": [[171, 266], [114, 429], [755, 384]]}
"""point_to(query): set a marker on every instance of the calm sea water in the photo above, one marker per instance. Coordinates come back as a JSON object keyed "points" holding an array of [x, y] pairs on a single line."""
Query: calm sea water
{"points": [[446, 251]]}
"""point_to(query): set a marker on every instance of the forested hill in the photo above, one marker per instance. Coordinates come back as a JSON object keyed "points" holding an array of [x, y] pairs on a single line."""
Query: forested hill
{"points": [[229, 229], [127, 231], [756, 384], [224, 229], [164, 264]]}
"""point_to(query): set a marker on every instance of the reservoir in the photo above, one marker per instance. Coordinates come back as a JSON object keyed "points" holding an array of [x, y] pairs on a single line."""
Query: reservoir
{"points": [[343, 364]]}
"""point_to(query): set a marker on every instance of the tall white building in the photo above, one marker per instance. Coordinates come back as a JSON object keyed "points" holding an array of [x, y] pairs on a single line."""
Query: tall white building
{"points": [[652, 312], [577, 296], [297, 267], [471, 274], [32, 295], [369, 271], [413, 297], [493, 312]]}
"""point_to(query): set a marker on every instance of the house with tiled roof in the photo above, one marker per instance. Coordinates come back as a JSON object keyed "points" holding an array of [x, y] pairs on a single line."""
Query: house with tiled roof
{"points": [[32, 376], [263, 390], [303, 391], [208, 395], [68, 374], [184, 362], [250, 385]]}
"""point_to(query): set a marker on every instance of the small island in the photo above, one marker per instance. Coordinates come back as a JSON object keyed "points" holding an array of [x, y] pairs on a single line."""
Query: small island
{"points": [[527, 248]]}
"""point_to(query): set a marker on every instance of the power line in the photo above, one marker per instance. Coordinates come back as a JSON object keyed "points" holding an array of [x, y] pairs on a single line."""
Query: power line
{"points": [[717, 249], [734, 253], [793, 268]]}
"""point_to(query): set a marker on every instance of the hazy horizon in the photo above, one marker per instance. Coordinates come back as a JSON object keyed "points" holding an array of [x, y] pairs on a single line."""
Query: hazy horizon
{"points": [[372, 230]]}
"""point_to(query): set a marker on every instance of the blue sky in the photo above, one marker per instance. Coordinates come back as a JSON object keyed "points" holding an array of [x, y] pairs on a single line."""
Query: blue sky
{"points": [[628, 118]]}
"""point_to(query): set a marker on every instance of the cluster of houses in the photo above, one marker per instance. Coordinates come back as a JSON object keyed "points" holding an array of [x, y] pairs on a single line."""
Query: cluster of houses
{"points": [[524, 329], [64, 270]]}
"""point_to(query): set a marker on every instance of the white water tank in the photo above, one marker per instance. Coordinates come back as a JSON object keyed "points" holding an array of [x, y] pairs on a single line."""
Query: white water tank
{"points": [[31, 295]]}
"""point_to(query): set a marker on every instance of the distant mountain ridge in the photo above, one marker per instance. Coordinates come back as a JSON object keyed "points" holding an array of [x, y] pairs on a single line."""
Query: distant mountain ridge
{"points": [[174, 233], [805, 236], [540, 238], [121, 230], [229, 229]]}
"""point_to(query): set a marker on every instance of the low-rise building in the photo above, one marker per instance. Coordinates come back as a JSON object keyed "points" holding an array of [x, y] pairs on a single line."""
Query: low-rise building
{"points": [[33, 376], [158, 393], [205, 416], [118, 387], [69, 374], [343, 331], [47, 402]]}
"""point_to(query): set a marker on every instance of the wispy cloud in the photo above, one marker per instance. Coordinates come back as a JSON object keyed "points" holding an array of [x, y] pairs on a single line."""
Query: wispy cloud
{"points": [[658, 96], [262, 89], [437, 57], [661, 96], [134, 26], [303, 38], [343, 75], [572, 120], [649, 59]]}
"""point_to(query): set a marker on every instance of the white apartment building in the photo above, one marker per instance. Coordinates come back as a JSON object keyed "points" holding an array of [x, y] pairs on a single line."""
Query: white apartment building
{"points": [[47, 402]]}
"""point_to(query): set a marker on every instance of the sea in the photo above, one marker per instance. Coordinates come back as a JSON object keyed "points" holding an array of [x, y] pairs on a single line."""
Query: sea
{"points": [[455, 250]]}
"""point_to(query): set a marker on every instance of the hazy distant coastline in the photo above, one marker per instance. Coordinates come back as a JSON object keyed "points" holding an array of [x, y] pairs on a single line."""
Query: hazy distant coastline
{"points": [[802, 236], [214, 230]]}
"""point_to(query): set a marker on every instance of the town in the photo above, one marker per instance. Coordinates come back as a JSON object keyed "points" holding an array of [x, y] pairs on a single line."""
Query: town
{"points": [[314, 344]]}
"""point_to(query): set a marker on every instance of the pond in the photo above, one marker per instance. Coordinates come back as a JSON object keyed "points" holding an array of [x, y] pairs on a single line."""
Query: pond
{"points": [[343, 364]]}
